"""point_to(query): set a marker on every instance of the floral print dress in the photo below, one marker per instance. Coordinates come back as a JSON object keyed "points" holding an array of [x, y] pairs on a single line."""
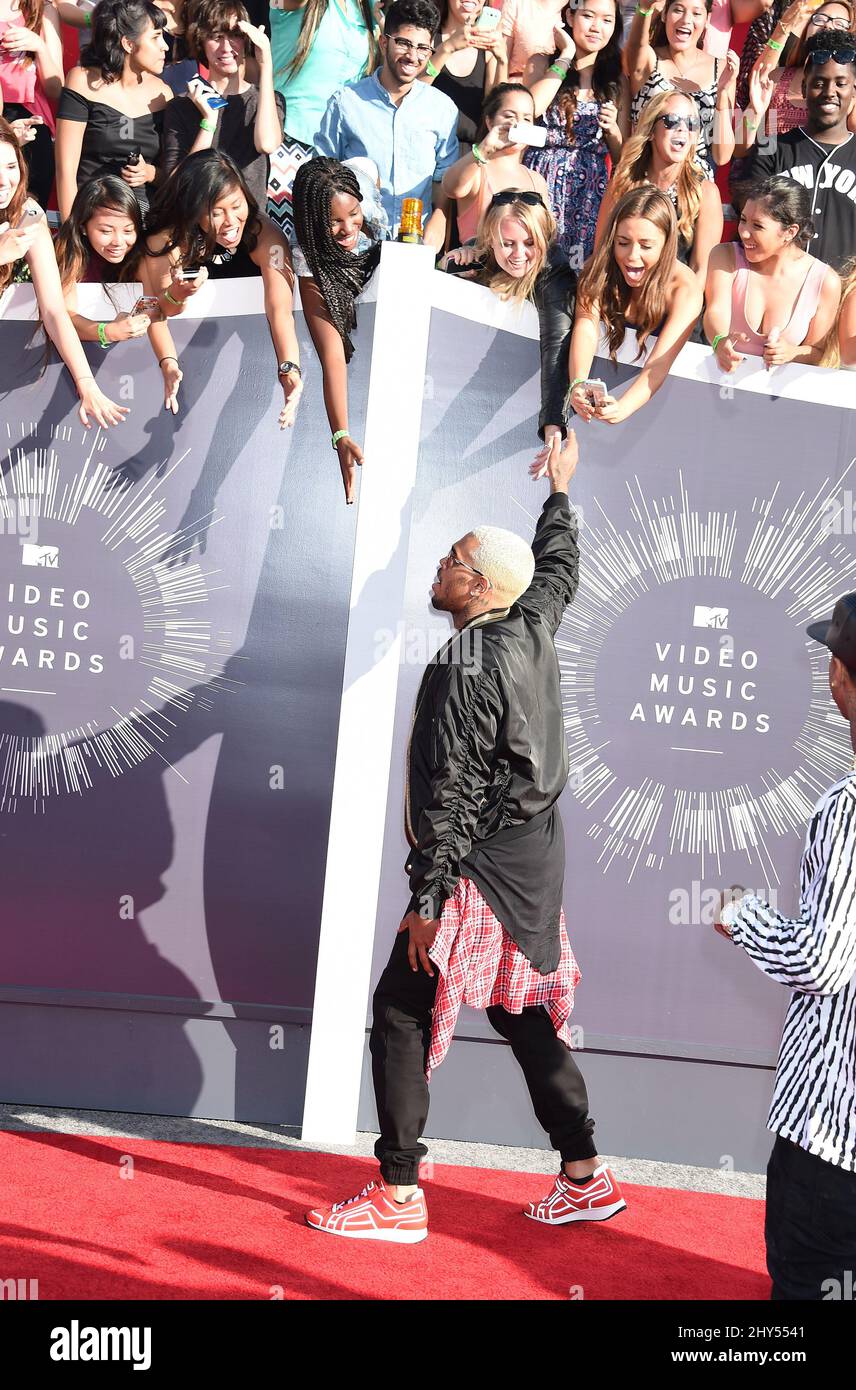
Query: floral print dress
{"points": [[574, 168]]}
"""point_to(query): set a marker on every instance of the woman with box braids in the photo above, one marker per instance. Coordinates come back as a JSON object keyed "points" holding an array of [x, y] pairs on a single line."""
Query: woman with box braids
{"points": [[337, 253]]}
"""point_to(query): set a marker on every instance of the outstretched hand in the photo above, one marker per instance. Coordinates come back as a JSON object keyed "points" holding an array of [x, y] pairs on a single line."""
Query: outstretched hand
{"points": [[560, 463]]}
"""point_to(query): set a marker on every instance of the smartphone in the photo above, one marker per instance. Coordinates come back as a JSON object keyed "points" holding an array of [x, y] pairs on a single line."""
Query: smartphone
{"points": [[525, 133], [188, 273], [27, 217], [488, 19], [147, 304], [595, 389], [214, 100], [134, 156], [471, 268]]}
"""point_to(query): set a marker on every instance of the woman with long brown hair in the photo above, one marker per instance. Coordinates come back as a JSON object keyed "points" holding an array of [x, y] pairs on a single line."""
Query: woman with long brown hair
{"points": [[96, 244], [633, 280], [581, 97], [318, 46], [31, 77], [25, 245], [661, 153]]}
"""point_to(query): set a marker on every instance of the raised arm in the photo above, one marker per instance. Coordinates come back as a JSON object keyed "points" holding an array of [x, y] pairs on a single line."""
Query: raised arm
{"points": [[815, 952], [267, 131], [557, 556], [546, 86], [638, 57]]}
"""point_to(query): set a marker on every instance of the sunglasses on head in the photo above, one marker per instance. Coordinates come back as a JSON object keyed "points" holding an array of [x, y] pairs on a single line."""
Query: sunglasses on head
{"points": [[511, 195], [673, 119], [844, 56]]}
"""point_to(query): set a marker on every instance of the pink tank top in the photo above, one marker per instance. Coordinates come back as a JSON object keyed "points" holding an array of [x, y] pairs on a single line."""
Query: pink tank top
{"points": [[20, 81], [468, 221], [803, 312]]}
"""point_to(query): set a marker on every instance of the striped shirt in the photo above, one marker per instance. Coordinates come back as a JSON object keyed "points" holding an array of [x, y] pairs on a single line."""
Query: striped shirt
{"points": [[814, 1100]]}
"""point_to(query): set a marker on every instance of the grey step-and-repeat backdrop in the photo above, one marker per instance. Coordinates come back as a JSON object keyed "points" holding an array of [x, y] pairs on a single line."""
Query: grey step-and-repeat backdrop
{"points": [[174, 610], [699, 722], [174, 625]]}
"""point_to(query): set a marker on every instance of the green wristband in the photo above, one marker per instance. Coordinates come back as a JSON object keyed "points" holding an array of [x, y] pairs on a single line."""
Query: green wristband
{"points": [[776, 47], [717, 340], [172, 299], [102, 335], [87, 20], [206, 124], [578, 382], [340, 434], [644, 13], [559, 72], [430, 69], [477, 155]]}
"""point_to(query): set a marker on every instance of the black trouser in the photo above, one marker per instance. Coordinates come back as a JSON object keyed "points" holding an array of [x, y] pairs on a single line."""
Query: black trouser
{"points": [[810, 1225], [399, 1045]]}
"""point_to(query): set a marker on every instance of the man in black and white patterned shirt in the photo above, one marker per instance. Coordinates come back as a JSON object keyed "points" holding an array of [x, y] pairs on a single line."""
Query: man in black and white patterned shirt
{"points": [[811, 1177]]}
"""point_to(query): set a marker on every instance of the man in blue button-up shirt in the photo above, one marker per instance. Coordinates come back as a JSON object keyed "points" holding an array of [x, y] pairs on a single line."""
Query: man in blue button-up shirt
{"points": [[403, 125]]}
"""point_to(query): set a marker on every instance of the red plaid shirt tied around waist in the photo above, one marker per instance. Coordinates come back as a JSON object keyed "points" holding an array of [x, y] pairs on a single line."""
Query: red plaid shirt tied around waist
{"points": [[480, 965]]}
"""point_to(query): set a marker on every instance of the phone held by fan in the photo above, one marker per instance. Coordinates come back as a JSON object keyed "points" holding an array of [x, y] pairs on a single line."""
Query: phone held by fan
{"points": [[197, 87], [147, 304], [525, 133]]}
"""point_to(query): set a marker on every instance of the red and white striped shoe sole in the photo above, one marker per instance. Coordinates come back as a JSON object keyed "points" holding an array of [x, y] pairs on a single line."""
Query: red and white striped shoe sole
{"points": [[395, 1235], [583, 1214]]}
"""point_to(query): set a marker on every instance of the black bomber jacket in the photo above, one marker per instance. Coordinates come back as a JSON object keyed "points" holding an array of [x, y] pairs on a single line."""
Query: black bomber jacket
{"points": [[487, 748]]}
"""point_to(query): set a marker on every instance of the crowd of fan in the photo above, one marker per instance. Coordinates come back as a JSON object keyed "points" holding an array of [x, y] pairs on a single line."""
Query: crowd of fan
{"points": [[565, 153]]}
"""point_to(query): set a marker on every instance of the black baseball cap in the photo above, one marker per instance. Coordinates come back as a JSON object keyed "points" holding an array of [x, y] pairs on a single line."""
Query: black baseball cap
{"points": [[838, 633]]}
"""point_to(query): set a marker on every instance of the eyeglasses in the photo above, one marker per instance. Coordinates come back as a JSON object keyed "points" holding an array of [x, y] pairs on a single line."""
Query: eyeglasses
{"points": [[514, 195], [452, 560], [673, 119], [420, 50], [826, 21], [844, 56]]}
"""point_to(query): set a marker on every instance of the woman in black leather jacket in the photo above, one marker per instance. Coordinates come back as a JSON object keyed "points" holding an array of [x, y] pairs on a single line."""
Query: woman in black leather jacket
{"points": [[515, 255]]}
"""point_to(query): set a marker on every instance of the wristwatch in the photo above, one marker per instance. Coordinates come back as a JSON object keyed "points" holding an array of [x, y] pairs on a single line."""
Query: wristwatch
{"points": [[285, 367]]}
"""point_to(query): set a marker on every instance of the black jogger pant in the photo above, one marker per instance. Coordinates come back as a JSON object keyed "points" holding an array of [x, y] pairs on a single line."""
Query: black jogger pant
{"points": [[399, 1045]]}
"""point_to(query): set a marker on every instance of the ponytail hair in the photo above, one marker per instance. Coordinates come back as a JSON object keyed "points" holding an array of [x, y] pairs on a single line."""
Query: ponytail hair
{"points": [[113, 21], [787, 202]]}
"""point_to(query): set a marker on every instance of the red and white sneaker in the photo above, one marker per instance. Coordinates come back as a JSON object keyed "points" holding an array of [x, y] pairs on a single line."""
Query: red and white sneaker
{"points": [[374, 1214], [598, 1200]]}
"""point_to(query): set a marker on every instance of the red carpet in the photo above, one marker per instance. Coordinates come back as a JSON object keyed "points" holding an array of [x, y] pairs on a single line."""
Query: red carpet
{"points": [[197, 1221]]}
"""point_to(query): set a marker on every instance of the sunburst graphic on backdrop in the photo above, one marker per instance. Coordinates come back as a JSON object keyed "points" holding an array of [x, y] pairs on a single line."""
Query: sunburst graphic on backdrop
{"points": [[64, 482], [787, 556]]}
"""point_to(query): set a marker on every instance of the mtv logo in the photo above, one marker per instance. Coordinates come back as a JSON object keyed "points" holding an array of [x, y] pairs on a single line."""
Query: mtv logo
{"points": [[709, 617], [45, 555]]}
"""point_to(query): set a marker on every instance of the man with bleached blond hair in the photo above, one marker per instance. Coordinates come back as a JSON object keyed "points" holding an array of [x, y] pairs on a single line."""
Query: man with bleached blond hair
{"points": [[486, 763]]}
